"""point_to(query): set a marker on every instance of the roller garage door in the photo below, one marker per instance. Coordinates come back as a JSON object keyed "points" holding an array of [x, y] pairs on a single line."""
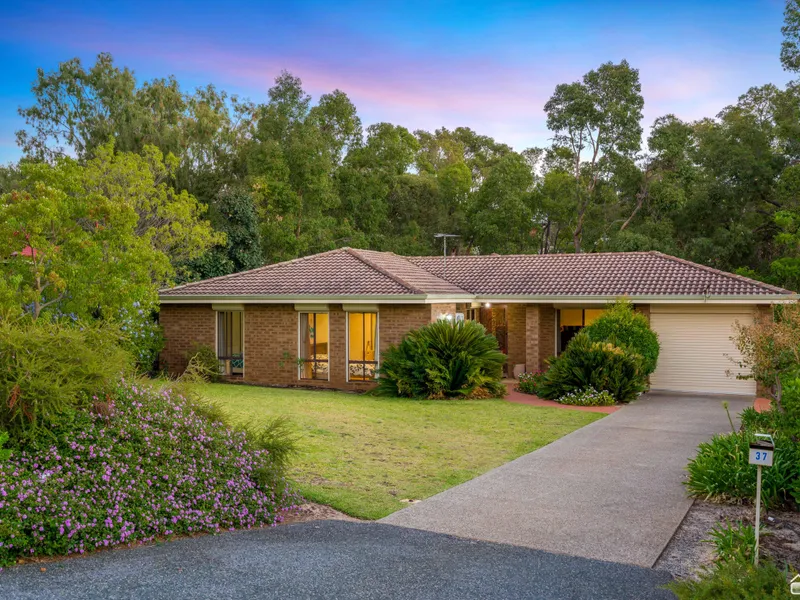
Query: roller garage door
{"points": [[695, 350]]}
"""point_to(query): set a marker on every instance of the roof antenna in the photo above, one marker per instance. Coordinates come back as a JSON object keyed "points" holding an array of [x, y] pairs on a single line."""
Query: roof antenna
{"points": [[444, 237]]}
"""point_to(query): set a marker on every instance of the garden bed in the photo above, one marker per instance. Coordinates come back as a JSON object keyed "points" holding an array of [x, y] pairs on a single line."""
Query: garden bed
{"points": [[687, 553]]}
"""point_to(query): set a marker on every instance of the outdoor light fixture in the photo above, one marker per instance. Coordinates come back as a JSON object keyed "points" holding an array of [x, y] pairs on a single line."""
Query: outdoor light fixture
{"points": [[488, 305]]}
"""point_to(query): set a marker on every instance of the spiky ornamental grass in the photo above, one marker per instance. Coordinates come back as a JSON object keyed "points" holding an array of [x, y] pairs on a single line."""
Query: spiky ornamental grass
{"points": [[444, 360], [147, 466]]}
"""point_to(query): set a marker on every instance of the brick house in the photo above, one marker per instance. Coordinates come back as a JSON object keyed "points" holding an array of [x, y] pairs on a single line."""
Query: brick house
{"points": [[324, 320]]}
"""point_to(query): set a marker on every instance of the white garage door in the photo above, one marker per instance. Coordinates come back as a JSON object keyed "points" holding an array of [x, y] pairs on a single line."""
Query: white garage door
{"points": [[696, 352]]}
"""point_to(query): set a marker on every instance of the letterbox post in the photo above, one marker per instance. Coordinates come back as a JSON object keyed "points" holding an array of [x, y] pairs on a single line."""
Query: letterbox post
{"points": [[761, 454]]}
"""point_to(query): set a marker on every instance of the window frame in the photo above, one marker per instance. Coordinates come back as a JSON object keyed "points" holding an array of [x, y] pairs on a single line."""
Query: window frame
{"points": [[300, 346], [217, 327], [377, 360]]}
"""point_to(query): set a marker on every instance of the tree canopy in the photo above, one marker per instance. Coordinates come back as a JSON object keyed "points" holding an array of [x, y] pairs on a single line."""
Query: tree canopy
{"points": [[202, 183]]}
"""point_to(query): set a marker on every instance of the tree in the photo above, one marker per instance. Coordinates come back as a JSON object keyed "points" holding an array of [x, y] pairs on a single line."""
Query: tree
{"points": [[790, 47], [500, 215], [91, 240], [291, 163], [597, 121], [234, 214]]}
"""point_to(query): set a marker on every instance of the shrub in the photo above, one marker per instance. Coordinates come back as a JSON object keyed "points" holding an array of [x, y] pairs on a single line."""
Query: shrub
{"points": [[599, 365], [528, 383], [49, 370], [734, 580], [587, 397], [203, 362], [622, 326], [442, 360], [148, 466], [5, 454], [720, 471], [733, 541]]}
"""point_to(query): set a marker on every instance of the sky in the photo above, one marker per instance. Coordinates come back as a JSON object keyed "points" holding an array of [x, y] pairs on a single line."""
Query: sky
{"points": [[490, 66]]}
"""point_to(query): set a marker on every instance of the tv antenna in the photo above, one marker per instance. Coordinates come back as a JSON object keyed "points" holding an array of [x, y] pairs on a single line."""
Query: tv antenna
{"points": [[444, 237]]}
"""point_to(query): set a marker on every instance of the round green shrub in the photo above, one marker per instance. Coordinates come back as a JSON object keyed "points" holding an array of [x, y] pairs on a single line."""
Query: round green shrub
{"points": [[598, 365], [622, 326], [444, 360]]}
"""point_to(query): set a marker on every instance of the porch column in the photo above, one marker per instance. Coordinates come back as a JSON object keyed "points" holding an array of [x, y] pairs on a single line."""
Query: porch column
{"points": [[540, 335]]}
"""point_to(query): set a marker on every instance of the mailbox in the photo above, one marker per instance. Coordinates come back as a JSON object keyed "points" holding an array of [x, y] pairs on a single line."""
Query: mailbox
{"points": [[762, 450]]}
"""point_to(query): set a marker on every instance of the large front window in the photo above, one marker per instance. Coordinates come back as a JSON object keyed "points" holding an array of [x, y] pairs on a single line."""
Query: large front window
{"points": [[230, 341], [362, 350], [314, 346], [571, 321]]}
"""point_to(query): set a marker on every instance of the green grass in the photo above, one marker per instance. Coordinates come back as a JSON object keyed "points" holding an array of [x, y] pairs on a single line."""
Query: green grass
{"points": [[363, 454]]}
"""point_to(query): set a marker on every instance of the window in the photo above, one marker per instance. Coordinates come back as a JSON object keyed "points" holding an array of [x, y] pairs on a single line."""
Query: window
{"points": [[572, 320], [314, 345], [362, 346], [230, 341]]}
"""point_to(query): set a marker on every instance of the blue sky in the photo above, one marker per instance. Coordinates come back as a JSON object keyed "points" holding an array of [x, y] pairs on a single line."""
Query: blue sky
{"points": [[490, 66]]}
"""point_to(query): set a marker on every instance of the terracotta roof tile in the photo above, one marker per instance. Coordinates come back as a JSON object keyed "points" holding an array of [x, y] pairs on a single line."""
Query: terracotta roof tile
{"points": [[342, 272], [602, 274], [350, 272]]}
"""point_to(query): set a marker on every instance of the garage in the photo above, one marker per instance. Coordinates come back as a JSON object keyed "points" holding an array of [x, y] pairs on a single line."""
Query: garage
{"points": [[697, 354]]}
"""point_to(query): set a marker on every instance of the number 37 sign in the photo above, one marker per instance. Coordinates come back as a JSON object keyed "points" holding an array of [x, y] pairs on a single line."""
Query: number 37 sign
{"points": [[761, 452]]}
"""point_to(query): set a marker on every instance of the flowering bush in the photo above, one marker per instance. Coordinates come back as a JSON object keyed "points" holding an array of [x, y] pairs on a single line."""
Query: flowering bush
{"points": [[587, 397], [529, 382], [139, 466]]}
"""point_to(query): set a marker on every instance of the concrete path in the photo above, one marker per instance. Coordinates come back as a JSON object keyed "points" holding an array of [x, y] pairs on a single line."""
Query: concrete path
{"points": [[611, 490], [330, 559]]}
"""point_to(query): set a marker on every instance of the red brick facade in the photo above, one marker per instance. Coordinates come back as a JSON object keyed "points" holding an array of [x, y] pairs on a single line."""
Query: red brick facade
{"points": [[271, 339], [184, 326]]}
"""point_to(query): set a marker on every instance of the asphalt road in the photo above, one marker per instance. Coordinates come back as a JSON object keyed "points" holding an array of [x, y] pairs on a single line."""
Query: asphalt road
{"points": [[330, 559]]}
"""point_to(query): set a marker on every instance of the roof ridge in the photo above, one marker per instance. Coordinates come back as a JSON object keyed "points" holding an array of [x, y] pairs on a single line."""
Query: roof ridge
{"points": [[261, 268], [494, 255], [392, 276], [736, 276]]}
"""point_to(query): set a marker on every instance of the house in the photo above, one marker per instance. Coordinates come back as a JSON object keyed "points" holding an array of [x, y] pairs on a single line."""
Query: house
{"points": [[325, 319]]}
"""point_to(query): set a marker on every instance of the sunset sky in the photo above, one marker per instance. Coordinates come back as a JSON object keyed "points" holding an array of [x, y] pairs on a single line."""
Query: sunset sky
{"points": [[490, 66]]}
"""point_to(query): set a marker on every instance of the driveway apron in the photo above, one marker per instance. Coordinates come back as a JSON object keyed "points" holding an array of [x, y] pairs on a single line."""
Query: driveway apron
{"points": [[611, 490]]}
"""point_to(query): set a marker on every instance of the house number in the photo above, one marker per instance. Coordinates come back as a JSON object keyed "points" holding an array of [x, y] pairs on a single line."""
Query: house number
{"points": [[761, 457]]}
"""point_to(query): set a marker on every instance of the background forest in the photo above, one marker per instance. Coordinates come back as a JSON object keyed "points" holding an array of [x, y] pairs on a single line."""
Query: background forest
{"points": [[242, 183]]}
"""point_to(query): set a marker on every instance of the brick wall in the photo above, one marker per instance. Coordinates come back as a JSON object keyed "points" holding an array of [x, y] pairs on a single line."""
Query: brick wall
{"points": [[547, 333], [540, 340], [438, 310], [184, 326], [271, 342], [515, 321]]}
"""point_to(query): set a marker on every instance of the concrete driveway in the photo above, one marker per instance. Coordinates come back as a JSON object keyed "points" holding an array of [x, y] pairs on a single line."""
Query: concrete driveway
{"points": [[330, 559], [611, 490]]}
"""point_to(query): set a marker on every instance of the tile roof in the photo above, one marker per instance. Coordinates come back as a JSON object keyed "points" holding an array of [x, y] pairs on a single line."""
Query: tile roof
{"points": [[600, 274], [351, 272], [342, 272]]}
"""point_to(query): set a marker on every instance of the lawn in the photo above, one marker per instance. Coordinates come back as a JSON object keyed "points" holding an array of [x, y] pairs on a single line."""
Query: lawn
{"points": [[363, 455]]}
